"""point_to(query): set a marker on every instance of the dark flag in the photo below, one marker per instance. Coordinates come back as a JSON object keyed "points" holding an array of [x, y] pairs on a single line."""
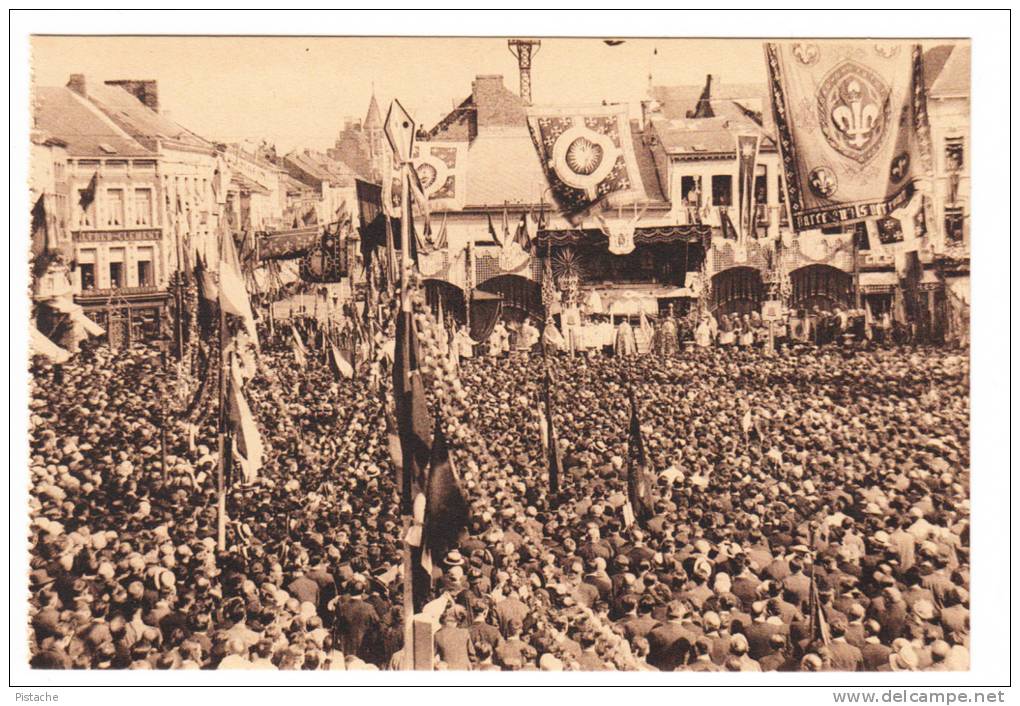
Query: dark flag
{"points": [[910, 281], [208, 297], [521, 236], [728, 231], [446, 508], [613, 42], [412, 414], [492, 230], [861, 240], [89, 194], [40, 227], [552, 443], [639, 491], [819, 626]]}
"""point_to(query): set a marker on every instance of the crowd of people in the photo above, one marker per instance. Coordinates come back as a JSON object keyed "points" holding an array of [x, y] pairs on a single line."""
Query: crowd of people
{"points": [[810, 513]]}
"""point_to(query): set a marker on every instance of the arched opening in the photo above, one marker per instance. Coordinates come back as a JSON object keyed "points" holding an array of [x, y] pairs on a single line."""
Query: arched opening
{"points": [[820, 286], [449, 296], [522, 297], [737, 290]]}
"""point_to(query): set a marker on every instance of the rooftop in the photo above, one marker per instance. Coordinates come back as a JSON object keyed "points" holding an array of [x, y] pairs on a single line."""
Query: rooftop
{"points": [[953, 77], [139, 120], [87, 131]]}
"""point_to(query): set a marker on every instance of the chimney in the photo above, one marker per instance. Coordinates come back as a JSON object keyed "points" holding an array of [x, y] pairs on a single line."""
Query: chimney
{"points": [[145, 91], [77, 84], [495, 106], [704, 106]]}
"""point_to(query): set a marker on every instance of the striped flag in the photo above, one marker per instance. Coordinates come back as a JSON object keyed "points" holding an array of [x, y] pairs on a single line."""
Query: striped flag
{"points": [[300, 353], [247, 443]]}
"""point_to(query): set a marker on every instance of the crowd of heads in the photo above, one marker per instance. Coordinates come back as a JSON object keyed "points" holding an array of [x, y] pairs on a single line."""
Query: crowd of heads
{"points": [[810, 513]]}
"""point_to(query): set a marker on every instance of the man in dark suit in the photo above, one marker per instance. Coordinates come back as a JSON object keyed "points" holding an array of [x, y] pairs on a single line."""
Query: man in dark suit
{"points": [[357, 623], [670, 643]]}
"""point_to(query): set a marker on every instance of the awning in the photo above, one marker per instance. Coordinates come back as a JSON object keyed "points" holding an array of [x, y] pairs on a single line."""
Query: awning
{"points": [[642, 236], [878, 281]]}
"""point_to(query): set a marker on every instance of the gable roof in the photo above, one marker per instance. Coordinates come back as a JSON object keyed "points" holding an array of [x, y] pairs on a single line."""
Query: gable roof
{"points": [[141, 122], [954, 77], [66, 115]]}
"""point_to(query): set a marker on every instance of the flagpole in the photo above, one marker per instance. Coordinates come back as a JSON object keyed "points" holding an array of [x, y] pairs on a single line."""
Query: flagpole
{"points": [[857, 268], [221, 501], [405, 229]]}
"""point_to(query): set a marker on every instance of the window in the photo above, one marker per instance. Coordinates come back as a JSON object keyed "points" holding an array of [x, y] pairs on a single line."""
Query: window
{"points": [[145, 270], [954, 225], [87, 269], [59, 171], [117, 268], [143, 207], [690, 190], [722, 190], [115, 207], [954, 154], [761, 189]]}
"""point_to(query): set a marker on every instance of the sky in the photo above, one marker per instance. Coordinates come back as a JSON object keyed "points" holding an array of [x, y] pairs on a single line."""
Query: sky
{"points": [[296, 91]]}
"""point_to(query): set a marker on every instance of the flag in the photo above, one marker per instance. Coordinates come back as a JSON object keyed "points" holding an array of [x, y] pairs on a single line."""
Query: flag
{"points": [[861, 240], [639, 491], [233, 295], [441, 172], [614, 42], [747, 158], [327, 261], [418, 196], [88, 196], [492, 230], [728, 230], [587, 154], [446, 508], [819, 625], [39, 344], [909, 269], [440, 240], [412, 413], [551, 441], [300, 353], [852, 123], [247, 443], [41, 236], [521, 236], [340, 362], [208, 297]]}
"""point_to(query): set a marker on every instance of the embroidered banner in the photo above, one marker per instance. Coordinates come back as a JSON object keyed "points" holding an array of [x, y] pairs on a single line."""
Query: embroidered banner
{"points": [[587, 154], [853, 127]]}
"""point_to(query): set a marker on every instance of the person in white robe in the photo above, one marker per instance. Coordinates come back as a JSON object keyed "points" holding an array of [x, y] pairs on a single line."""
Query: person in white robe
{"points": [[625, 344]]}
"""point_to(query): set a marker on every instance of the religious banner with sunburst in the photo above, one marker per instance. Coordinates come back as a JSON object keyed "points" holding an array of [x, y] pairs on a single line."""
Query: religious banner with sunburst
{"points": [[587, 154]]}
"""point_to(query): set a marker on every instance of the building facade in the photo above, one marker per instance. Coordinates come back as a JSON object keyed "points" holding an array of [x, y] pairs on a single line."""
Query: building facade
{"points": [[119, 253]]}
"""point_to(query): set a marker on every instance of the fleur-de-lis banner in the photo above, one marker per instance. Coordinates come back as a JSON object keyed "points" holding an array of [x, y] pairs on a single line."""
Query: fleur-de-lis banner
{"points": [[587, 154], [852, 124]]}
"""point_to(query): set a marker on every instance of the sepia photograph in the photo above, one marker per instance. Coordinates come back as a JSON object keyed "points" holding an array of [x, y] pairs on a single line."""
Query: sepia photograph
{"points": [[523, 353]]}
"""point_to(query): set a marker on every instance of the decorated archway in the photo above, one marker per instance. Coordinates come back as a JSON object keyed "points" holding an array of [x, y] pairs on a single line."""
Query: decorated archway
{"points": [[820, 286], [737, 290], [522, 297]]}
